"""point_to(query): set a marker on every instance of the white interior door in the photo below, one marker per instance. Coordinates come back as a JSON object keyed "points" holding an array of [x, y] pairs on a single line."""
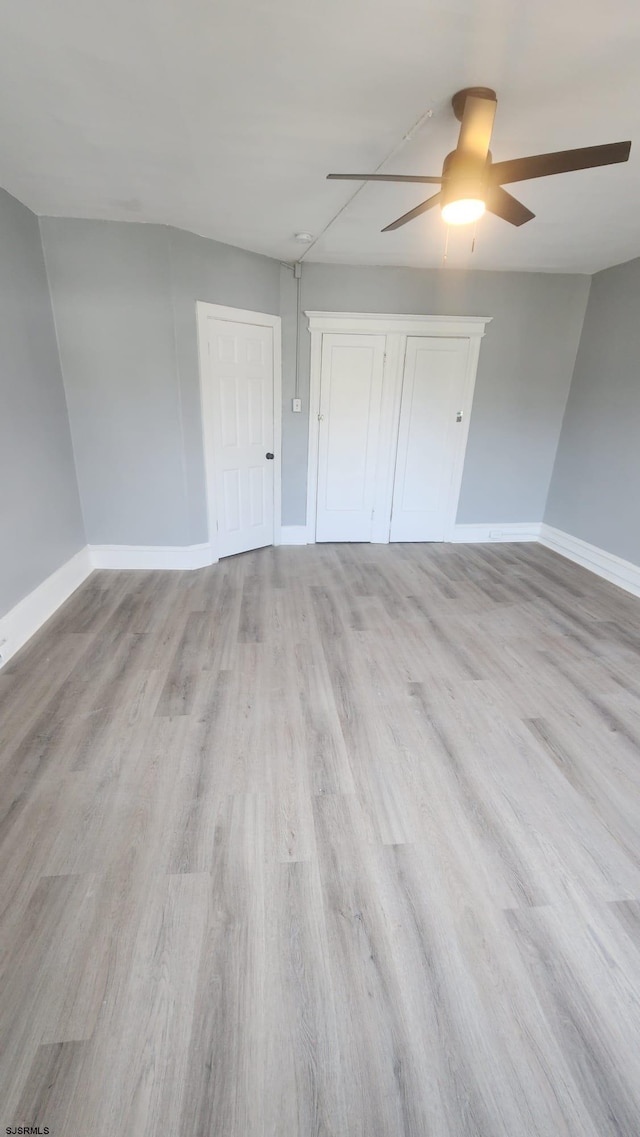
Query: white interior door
{"points": [[350, 397], [432, 395], [241, 360]]}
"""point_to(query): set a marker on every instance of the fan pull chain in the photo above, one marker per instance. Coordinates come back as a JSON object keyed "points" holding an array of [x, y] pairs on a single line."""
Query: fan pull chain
{"points": [[473, 239], [446, 247]]}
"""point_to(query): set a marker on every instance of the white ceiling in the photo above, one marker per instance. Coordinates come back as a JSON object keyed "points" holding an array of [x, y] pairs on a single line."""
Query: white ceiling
{"points": [[223, 117]]}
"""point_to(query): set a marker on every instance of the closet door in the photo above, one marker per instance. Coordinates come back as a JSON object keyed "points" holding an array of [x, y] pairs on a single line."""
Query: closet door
{"points": [[432, 393], [351, 391]]}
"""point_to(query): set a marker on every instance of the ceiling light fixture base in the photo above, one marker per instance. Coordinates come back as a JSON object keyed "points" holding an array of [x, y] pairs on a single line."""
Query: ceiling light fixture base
{"points": [[460, 98]]}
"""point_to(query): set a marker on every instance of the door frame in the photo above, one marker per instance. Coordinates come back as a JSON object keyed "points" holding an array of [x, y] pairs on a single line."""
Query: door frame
{"points": [[396, 328], [205, 312]]}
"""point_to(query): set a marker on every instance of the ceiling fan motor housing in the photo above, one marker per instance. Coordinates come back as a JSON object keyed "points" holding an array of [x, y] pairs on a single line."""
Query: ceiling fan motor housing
{"points": [[465, 176]]}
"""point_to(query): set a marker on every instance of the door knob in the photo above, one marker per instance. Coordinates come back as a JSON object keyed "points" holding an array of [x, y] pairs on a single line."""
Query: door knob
{"points": [[269, 454]]}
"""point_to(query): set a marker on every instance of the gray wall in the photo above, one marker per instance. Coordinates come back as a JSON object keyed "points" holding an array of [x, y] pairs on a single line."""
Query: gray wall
{"points": [[526, 362], [595, 488], [124, 299], [124, 302], [111, 292], [220, 274], [40, 519]]}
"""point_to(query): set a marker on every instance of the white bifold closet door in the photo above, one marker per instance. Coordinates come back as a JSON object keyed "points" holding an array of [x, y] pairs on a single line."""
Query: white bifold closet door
{"points": [[432, 395], [388, 436], [351, 394]]}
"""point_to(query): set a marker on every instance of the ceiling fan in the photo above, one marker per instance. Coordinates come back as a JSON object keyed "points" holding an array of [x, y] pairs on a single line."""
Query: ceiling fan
{"points": [[471, 182]]}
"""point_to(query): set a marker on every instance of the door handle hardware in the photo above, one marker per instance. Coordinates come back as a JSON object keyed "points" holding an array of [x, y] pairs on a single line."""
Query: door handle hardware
{"points": [[268, 454], [459, 416]]}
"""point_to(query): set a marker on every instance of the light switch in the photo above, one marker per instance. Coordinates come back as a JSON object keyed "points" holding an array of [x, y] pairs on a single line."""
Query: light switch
{"points": [[296, 405]]}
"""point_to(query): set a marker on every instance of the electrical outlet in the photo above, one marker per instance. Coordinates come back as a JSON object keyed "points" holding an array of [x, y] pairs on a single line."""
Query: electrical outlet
{"points": [[296, 405]]}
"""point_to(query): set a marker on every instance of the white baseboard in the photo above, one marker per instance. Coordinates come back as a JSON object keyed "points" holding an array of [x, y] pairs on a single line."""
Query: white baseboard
{"points": [[467, 534], [500, 531], [30, 613], [173, 556], [614, 569], [294, 535], [151, 556]]}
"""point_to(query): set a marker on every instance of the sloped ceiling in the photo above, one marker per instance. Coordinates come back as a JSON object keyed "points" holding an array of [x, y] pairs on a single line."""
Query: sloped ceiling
{"points": [[223, 117]]}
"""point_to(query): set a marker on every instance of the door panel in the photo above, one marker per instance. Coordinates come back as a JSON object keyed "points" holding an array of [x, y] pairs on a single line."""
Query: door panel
{"points": [[351, 390], [432, 393], [242, 369]]}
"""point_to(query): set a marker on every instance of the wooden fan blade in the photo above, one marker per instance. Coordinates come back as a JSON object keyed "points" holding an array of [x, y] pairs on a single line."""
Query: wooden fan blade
{"points": [[477, 125], [384, 178], [501, 203], [422, 208], [560, 162]]}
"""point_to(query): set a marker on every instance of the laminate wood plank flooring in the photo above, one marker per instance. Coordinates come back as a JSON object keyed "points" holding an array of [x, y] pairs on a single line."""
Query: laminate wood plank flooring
{"points": [[337, 841]]}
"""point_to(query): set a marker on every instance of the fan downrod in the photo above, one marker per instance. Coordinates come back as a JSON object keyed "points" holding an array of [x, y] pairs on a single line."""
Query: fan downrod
{"points": [[460, 98]]}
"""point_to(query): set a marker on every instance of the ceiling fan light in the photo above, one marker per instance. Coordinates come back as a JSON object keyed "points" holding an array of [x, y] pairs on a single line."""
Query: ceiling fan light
{"points": [[463, 211]]}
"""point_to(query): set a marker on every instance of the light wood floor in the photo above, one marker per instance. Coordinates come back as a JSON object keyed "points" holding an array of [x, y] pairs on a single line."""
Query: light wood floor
{"points": [[338, 841]]}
